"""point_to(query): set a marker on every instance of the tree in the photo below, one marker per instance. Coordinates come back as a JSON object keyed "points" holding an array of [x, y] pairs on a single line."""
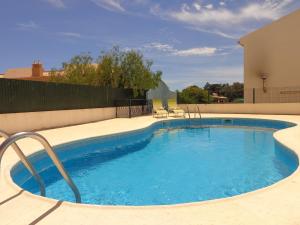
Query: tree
{"points": [[109, 68], [213, 88], [79, 70], [137, 74], [116, 69], [192, 95], [232, 92]]}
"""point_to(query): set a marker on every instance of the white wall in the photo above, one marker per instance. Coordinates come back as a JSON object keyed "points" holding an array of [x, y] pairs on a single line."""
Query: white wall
{"points": [[273, 50], [17, 122], [263, 108]]}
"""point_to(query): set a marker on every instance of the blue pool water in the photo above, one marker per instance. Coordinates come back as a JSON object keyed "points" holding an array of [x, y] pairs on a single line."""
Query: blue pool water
{"points": [[168, 163]]}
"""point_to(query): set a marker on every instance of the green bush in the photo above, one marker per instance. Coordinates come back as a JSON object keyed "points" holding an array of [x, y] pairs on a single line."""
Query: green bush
{"points": [[193, 95]]}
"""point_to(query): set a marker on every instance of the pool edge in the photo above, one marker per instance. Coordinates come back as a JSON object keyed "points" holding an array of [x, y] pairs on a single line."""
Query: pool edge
{"points": [[279, 136]]}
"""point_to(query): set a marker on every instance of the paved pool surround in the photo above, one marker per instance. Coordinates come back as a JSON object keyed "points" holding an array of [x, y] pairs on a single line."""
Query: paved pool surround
{"points": [[276, 204]]}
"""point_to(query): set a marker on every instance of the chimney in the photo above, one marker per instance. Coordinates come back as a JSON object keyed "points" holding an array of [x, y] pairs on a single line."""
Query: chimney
{"points": [[37, 69]]}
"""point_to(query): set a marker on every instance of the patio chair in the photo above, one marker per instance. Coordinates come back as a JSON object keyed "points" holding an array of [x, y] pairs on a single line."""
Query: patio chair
{"points": [[158, 109], [173, 108]]}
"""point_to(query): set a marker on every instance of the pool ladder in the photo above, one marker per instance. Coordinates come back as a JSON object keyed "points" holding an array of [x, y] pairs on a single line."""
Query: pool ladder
{"points": [[11, 141], [195, 113]]}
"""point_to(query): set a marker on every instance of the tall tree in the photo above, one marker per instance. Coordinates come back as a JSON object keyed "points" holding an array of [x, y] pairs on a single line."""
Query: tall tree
{"points": [[79, 70], [109, 68], [116, 68], [137, 74]]}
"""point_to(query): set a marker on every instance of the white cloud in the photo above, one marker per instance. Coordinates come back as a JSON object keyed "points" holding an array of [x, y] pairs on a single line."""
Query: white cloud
{"points": [[70, 34], [76, 35], [221, 19], [209, 6], [166, 48], [197, 6], [111, 5], [216, 32], [268, 10], [31, 25], [205, 51], [160, 47], [118, 5], [185, 7], [56, 3]]}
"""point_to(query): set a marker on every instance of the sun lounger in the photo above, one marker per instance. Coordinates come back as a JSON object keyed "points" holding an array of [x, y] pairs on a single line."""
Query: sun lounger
{"points": [[158, 109], [173, 108]]}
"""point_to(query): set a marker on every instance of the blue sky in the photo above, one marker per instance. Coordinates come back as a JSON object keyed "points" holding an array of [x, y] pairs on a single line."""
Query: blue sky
{"points": [[191, 41]]}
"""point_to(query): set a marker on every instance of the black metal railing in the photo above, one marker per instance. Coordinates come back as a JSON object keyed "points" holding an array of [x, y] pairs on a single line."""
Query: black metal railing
{"points": [[128, 108], [273, 95]]}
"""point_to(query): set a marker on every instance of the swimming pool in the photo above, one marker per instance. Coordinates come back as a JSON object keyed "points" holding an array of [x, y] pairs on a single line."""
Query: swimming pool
{"points": [[170, 162]]}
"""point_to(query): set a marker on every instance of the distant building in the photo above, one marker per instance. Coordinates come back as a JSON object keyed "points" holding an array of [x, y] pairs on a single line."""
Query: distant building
{"points": [[219, 99], [35, 72], [272, 66]]}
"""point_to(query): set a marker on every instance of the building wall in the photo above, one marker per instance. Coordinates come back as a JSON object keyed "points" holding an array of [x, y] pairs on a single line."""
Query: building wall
{"points": [[35, 73], [18, 122], [18, 73], [275, 51]]}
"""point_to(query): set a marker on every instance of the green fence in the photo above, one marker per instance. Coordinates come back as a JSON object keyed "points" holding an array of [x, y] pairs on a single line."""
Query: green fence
{"points": [[31, 96]]}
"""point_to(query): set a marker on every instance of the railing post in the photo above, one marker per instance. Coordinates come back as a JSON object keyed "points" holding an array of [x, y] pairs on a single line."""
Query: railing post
{"points": [[116, 105], [253, 96], [129, 108], [208, 97]]}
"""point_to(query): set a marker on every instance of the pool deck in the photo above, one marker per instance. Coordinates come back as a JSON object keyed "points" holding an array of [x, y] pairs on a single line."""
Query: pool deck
{"points": [[278, 204]]}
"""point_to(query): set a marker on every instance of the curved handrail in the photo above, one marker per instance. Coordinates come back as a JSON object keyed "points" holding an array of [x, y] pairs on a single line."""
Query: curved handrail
{"points": [[27, 164], [199, 112], [12, 139], [187, 107]]}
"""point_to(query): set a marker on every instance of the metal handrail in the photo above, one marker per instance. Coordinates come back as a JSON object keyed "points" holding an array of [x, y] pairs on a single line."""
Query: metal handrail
{"points": [[199, 112], [12, 139], [187, 107], [27, 164]]}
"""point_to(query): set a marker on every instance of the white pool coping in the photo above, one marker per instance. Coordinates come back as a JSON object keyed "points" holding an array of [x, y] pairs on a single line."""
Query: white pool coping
{"points": [[277, 204]]}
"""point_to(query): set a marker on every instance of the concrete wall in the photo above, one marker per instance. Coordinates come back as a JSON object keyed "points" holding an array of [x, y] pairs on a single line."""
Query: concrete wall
{"points": [[17, 122], [263, 108], [275, 51]]}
